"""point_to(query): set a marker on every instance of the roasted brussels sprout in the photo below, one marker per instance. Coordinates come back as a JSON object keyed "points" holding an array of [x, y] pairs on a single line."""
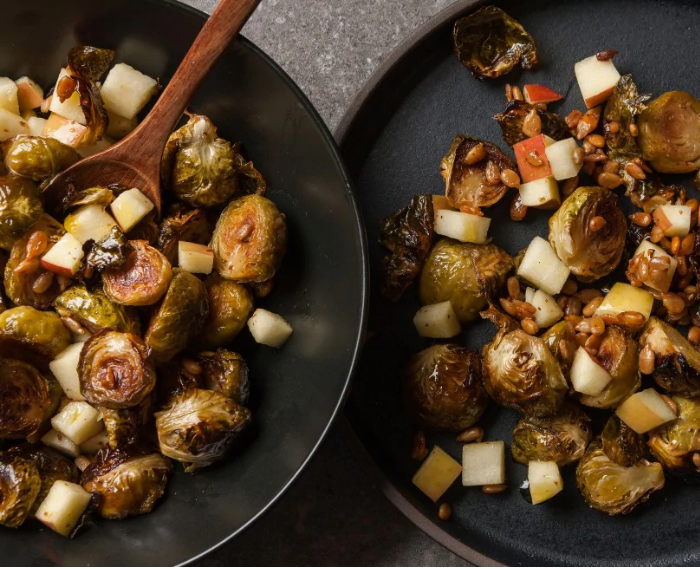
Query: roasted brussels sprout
{"points": [[179, 318], [198, 426], [669, 133], [562, 334], [39, 158], [466, 184], [142, 280], [562, 438], [677, 361], [520, 371], [20, 208], [22, 275], [227, 373], [20, 484], [27, 398], [675, 444], [615, 489], [29, 334], [622, 107], [128, 484], [465, 274], [230, 306], [94, 311], [512, 118], [249, 240], [490, 43], [112, 252], [442, 388], [619, 356], [173, 378], [621, 444], [192, 226], [125, 426], [408, 235], [115, 370], [589, 254]]}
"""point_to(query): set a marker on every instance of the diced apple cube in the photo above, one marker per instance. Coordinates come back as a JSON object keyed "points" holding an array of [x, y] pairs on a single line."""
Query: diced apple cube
{"points": [[483, 463], [89, 222], [437, 321], [99, 146], [79, 421], [63, 506], [269, 328], [587, 375], [541, 267], [673, 219], [29, 94], [662, 284], [8, 95], [61, 443], [126, 91], [548, 311], [46, 104], [542, 193], [130, 208], [645, 411], [548, 141], [530, 294], [531, 146], [540, 94], [119, 126], [544, 480], [626, 298], [596, 79], [36, 126], [464, 227], [70, 108], [65, 370], [64, 257], [11, 125], [561, 159], [437, 473], [195, 258], [66, 131], [94, 444]]}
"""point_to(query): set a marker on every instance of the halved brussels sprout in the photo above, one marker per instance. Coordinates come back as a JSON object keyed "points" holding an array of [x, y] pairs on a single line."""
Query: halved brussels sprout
{"points": [[408, 234], [520, 371], [465, 274], [615, 489], [19, 486], [674, 444], [442, 388], [250, 240], [198, 426], [621, 444], [115, 370], [466, 184], [128, 484], [93, 310], [619, 356], [192, 226], [125, 426], [230, 306], [32, 335], [173, 378], [20, 208], [589, 254], [562, 438], [227, 373], [142, 280], [39, 158], [512, 118], [179, 318], [562, 333]]}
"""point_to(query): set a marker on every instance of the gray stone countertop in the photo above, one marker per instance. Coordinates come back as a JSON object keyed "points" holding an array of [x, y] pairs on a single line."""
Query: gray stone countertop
{"points": [[334, 514]]}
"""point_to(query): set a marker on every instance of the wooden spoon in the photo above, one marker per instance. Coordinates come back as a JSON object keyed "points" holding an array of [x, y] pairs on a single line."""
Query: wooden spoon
{"points": [[135, 160]]}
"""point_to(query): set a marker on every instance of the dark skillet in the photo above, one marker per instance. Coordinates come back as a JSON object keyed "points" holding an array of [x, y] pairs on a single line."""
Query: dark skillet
{"points": [[297, 390], [393, 138]]}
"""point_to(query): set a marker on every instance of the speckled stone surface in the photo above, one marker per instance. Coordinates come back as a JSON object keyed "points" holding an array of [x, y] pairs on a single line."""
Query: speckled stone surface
{"points": [[333, 515]]}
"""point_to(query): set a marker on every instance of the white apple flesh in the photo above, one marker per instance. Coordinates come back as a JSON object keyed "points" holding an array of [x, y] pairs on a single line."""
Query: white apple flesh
{"points": [[63, 506], [195, 258], [29, 94], [561, 159], [464, 227], [596, 79], [483, 463], [65, 370], [79, 421], [126, 91], [70, 108], [587, 375], [548, 312], [64, 257], [544, 480], [89, 222], [130, 208], [541, 267], [673, 219], [269, 328], [8, 95], [11, 125], [624, 297], [542, 193], [61, 443], [645, 411], [437, 321]]}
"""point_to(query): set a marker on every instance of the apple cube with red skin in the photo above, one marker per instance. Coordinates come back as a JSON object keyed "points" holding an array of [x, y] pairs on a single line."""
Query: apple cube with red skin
{"points": [[529, 172], [66, 131], [596, 79], [673, 219], [64, 257], [540, 94], [195, 258], [29, 94]]}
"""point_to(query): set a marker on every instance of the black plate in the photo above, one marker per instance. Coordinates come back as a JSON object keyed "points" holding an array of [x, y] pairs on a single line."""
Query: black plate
{"points": [[393, 138], [321, 287]]}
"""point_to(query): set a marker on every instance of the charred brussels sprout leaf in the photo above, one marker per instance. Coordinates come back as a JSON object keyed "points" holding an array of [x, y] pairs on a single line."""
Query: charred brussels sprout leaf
{"points": [[198, 426], [562, 438], [227, 373], [179, 318], [32, 335], [589, 254], [562, 332], [20, 208], [125, 426], [465, 274], [20, 484], [490, 43], [192, 226], [110, 253], [250, 240], [230, 306], [621, 444], [511, 122], [622, 107], [128, 484], [466, 184], [442, 388], [173, 378], [39, 158], [615, 489], [115, 370], [408, 235], [520, 371], [94, 311]]}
